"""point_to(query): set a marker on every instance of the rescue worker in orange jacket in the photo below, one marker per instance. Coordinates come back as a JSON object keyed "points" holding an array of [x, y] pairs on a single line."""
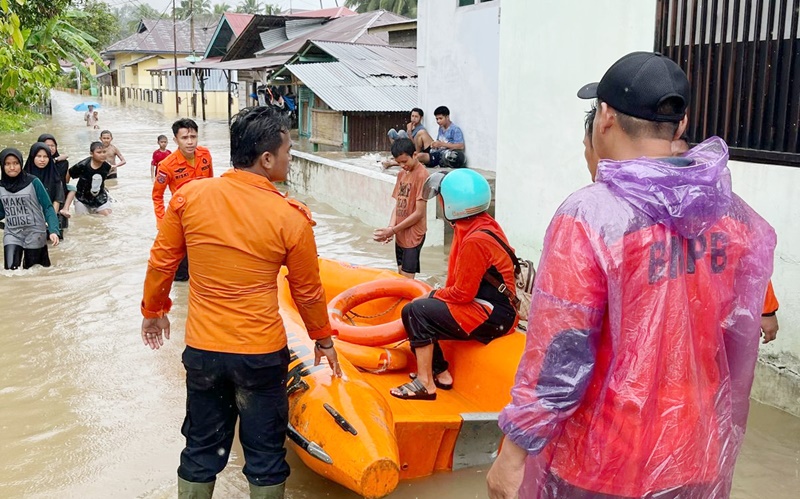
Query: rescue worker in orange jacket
{"points": [[643, 331], [189, 162], [239, 229], [469, 306]]}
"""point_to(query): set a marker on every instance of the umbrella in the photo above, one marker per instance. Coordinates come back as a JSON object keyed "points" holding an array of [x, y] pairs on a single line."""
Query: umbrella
{"points": [[84, 106]]}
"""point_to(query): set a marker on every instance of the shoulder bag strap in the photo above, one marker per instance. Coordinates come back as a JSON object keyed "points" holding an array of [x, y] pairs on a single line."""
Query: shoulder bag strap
{"points": [[501, 286]]}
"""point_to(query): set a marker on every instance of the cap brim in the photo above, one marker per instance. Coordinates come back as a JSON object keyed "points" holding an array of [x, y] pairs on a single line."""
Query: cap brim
{"points": [[588, 91]]}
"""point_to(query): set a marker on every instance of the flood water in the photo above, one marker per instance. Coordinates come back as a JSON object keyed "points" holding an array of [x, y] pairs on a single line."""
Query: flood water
{"points": [[86, 411]]}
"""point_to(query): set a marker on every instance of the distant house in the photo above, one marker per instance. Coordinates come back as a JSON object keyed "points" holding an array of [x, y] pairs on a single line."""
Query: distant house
{"points": [[350, 94], [131, 79], [268, 42]]}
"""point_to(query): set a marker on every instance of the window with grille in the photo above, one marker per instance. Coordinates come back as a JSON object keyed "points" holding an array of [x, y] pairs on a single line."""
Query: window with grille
{"points": [[743, 62]]}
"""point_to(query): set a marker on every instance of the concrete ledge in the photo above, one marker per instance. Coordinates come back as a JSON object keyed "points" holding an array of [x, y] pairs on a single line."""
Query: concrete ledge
{"points": [[355, 191], [777, 384]]}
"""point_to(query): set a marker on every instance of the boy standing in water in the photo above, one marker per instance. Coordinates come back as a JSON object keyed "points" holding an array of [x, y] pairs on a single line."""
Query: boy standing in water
{"points": [[159, 155], [90, 194], [112, 153], [189, 162], [408, 223]]}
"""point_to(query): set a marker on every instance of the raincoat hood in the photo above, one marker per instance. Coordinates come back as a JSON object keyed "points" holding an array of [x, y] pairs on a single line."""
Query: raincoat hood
{"points": [[688, 198], [13, 184]]}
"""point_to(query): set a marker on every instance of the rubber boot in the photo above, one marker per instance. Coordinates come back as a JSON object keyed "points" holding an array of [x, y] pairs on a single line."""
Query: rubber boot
{"points": [[194, 490], [267, 491]]}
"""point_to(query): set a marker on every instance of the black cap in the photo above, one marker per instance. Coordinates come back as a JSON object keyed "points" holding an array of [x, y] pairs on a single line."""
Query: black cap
{"points": [[639, 83]]}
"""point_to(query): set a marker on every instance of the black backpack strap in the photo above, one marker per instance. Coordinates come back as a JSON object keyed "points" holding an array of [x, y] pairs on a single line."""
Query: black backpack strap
{"points": [[514, 259], [501, 286]]}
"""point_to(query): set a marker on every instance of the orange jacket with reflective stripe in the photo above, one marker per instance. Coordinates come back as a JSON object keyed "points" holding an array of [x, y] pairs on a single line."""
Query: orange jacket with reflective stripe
{"points": [[238, 231], [174, 171]]}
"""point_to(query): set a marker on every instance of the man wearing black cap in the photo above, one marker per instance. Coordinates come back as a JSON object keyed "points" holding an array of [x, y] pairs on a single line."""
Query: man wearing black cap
{"points": [[643, 330]]}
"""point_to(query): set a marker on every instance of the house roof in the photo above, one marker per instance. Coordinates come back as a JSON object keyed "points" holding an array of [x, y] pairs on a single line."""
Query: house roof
{"points": [[154, 36], [352, 28], [372, 60], [138, 60], [238, 22], [253, 63], [229, 28], [343, 90], [331, 13]]}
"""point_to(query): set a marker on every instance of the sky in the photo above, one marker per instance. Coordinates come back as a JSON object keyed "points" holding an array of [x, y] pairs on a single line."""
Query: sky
{"points": [[166, 5]]}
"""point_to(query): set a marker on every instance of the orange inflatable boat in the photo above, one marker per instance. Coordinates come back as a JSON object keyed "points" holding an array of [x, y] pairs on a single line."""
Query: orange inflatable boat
{"points": [[353, 432]]}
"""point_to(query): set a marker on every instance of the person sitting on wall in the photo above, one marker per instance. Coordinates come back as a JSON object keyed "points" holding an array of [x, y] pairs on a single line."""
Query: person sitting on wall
{"points": [[468, 306], [415, 131], [450, 138]]}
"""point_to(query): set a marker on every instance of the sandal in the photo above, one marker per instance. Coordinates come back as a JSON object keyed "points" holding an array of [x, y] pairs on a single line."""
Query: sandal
{"points": [[413, 391], [439, 385]]}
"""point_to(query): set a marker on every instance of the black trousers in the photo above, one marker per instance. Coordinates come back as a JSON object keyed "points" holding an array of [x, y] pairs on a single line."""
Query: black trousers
{"points": [[221, 387], [15, 255], [182, 274]]}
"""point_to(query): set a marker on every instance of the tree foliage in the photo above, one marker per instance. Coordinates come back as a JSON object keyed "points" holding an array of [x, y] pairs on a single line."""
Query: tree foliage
{"points": [[272, 9], [222, 8], [406, 8], [32, 75], [249, 7], [101, 23]]}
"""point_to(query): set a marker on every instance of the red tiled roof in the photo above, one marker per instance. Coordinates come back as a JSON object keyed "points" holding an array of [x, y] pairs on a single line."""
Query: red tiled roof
{"points": [[238, 22]]}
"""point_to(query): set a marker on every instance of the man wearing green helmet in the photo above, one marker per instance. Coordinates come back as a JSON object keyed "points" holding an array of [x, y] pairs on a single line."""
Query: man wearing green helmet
{"points": [[468, 306]]}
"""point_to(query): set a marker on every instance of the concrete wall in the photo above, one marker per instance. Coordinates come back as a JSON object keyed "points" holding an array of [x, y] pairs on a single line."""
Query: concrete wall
{"points": [[771, 191], [457, 58], [549, 51], [326, 179]]}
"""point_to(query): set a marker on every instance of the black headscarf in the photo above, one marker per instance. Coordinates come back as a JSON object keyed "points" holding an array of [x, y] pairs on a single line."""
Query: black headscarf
{"points": [[53, 184], [62, 166], [21, 181]]}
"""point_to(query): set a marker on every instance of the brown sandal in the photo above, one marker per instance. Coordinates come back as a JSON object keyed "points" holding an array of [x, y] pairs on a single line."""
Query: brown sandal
{"points": [[413, 391]]}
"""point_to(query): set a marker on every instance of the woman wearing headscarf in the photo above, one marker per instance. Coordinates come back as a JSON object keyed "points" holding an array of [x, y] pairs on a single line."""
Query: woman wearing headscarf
{"points": [[40, 164], [62, 167], [30, 219]]}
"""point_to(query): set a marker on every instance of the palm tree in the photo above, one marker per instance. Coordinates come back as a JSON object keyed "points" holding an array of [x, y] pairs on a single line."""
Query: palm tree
{"points": [[249, 7], [202, 7], [184, 9], [406, 8], [221, 8], [272, 10]]}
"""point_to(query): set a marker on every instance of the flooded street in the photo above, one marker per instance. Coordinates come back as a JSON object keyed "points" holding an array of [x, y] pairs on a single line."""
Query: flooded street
{"points": [[86, 411]]}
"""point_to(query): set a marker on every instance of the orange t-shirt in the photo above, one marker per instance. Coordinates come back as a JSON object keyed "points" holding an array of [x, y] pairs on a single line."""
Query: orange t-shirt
{"points": [[175, 170], [407, 191], [238, 231]]}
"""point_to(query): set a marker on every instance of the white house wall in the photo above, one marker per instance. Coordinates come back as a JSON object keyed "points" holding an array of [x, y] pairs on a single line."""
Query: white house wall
{"points": [[457, 56], [547, 51]]}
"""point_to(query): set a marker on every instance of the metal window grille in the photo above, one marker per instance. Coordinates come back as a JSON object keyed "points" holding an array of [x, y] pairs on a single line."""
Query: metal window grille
{"points": [[743, 62]]}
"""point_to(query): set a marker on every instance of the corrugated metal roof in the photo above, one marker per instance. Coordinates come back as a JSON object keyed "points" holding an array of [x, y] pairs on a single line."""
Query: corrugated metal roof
{"points": [[155, 36], [238, 22], [343, 90], [373, 60], [253, 63], [332, 12], [272, 38]]}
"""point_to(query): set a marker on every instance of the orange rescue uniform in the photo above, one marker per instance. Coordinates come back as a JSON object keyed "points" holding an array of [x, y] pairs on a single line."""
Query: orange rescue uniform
{"points": [[770, 302], [174, 171], [238, 230]]}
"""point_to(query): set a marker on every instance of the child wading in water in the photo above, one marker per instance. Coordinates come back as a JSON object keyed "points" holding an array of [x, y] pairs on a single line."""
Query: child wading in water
{"points": [[159, 155], [30, 219], [112, 153], [62, 167], [90, 195]]}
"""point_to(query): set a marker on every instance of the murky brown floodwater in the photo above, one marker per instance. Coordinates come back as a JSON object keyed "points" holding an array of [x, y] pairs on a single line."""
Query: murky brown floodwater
{"points": [[86, 411]]}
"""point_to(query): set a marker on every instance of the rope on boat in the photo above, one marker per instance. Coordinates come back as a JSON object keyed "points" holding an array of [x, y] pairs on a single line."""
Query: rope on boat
{"points": [[387, 311]]}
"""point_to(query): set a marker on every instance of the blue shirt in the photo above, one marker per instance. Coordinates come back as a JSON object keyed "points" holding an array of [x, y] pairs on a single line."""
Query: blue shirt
{"points": [[416, 130], [452, 135]]}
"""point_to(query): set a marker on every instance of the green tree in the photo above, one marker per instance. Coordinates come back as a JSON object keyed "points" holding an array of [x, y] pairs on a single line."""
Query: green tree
{"points": [[129, 16], [100, 23], [183, 10], [406, 8], [249, 7], [59, 39], [33, 74], [222, 8], [202, 7], [272, 10], [36, 12]]}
